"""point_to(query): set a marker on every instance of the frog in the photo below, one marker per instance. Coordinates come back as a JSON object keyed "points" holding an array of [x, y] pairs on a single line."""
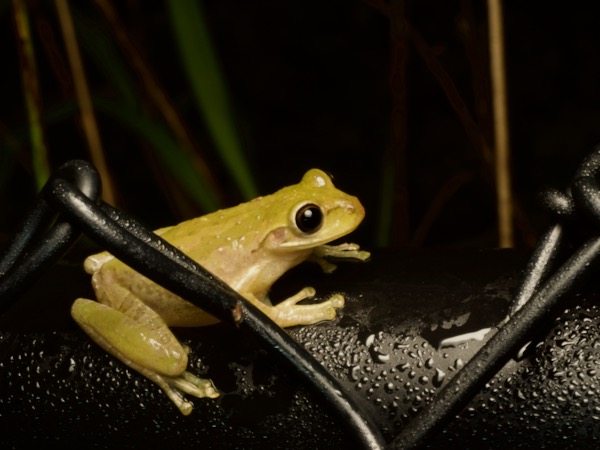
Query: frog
{"points": [[249, 247]]}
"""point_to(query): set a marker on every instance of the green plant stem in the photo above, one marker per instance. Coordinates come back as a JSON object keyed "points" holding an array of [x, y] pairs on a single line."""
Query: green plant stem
{"points": [[175, 160], [88, 118], [41, 168], [206, 79], [156, 94]]}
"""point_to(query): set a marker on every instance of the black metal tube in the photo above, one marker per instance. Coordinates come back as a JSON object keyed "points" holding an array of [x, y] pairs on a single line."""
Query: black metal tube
{"points": [[497, 351], [540, 264], [37, 217], [39, 257], [27, 256]]}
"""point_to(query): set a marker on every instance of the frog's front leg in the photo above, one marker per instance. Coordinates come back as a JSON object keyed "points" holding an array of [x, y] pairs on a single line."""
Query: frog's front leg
{"points": [[288, 313], [341, 251], [135, 334]]}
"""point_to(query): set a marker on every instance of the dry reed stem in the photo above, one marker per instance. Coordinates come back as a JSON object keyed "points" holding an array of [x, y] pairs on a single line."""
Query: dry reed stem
{"points": [[156, 94], [88, 118], [501, 139]]}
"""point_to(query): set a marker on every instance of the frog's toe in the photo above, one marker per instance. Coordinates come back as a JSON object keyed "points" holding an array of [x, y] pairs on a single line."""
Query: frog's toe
{"points": [[186, 407], [192, 385], [184, 383], [330, 306], [289, 314], [336, 301], [202, 387]]}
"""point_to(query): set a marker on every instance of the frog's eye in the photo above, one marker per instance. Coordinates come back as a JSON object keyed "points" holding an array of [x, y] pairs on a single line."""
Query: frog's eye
{"points": [[309, 218]]}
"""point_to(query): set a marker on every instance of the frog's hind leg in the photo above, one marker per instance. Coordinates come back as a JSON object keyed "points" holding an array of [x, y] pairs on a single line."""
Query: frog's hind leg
{"points": [[288, 313], [139, 338]]}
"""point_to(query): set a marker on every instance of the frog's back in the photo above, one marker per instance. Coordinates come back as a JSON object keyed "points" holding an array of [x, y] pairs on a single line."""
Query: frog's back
{"points": [[240, 229]]}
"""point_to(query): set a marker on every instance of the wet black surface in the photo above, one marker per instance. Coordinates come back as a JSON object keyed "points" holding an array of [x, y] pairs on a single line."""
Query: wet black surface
{"points": [[385, 348]]}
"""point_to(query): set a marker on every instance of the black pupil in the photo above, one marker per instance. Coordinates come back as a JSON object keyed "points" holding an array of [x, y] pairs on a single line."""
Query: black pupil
{"points": [[309, 218]]}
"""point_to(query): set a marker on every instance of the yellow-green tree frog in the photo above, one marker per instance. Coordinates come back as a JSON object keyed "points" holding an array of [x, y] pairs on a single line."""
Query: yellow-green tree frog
{"points": [[249, 247]]}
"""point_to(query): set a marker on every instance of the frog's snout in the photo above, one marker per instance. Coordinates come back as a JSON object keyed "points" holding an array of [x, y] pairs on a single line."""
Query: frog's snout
{"points": [[354, 207]]}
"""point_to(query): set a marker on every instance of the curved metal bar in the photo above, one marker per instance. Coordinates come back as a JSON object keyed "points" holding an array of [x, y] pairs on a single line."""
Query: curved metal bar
{"points": [[38, 216], [530, 309], [586, 193], [590, 165], [149, 254], [497, 351], [28, 256], [539, 267], [539, 291]]}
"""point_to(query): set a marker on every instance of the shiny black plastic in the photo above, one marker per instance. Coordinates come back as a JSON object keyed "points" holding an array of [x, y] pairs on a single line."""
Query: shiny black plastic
{"points": [[565, 255]]}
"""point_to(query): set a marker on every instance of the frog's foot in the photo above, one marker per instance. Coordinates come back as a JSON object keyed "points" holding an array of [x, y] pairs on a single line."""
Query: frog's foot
{"points": [[288, 313], [187, 383], [341, 251], [146, 346]]}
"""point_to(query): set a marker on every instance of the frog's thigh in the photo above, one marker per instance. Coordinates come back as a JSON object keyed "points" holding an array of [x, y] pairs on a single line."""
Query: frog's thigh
{"points": [[141, 344]]}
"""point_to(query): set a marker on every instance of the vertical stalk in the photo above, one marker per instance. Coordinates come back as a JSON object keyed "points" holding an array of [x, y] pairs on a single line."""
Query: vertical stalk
{"points": [[158, 96], [31, 90], [501, 139], [88, 118], [204, 72]]}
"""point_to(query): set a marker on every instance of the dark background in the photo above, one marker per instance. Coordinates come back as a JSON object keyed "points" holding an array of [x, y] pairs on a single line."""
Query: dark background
{"points": [[311, 85]]}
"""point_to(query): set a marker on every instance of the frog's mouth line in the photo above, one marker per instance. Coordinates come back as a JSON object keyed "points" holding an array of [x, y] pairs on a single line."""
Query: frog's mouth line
{"points": [[314, 240]]}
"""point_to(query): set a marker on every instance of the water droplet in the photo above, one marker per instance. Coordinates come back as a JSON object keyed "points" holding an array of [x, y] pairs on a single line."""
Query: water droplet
{"points": [[439, 377], [403, 367], [383, 357], [455, 341]]}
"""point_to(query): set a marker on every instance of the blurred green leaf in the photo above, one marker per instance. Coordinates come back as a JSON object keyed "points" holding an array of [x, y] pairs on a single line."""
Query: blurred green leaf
{"points": [[173, 157], [31, 91], [207, 82], [99, 46]]}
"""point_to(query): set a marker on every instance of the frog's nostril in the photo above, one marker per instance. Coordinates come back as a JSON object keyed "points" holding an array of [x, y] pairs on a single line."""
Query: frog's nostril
{"points": [[348, 206]]}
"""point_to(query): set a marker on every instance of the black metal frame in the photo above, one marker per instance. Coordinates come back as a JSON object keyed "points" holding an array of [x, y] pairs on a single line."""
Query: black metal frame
{"points": [[69, 205], [73, 192], [550, 273]]}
